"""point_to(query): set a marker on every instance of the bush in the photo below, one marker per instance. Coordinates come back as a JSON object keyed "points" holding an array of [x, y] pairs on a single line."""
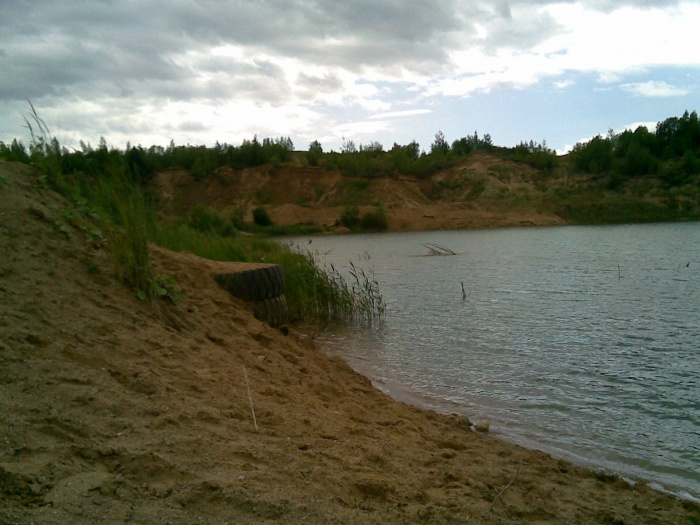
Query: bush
{"points": [[261, 217], [315, 153], [374, 220], [236, 216], [207, 220], [350, 217]]}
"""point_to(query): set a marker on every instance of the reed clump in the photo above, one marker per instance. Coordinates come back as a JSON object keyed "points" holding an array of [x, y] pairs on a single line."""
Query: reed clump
{"points": [[318, 292]]}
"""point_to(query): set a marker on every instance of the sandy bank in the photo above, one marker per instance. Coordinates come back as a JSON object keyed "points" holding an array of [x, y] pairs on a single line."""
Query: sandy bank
{"points": [[118, 411]]}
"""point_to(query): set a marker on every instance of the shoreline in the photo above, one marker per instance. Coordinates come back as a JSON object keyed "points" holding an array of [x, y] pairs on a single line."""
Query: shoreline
{"points": [[404, 394]]}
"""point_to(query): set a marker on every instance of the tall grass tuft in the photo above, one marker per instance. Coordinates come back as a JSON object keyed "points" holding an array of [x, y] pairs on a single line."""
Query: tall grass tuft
{"points": [[369, 302], [44, 150], [125, 216], [122, 209]]}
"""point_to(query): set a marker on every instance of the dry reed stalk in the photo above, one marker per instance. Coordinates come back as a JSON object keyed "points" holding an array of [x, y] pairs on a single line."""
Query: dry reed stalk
{"points": [[250, 398], [506, 487]]}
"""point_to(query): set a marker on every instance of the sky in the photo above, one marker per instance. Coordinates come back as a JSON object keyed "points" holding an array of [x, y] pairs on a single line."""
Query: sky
{"points": [[388, 71]]}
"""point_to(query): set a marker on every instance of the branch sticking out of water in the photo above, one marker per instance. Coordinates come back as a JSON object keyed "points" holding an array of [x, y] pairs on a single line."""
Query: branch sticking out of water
{"points": [[436, 249]]}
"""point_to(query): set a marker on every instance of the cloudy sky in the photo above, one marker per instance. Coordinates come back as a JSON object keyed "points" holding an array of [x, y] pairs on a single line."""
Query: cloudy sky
{"points": [[201, 71]]}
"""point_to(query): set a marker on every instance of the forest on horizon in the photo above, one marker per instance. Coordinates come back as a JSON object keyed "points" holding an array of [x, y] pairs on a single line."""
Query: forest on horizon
{"points": [[671, 152]]}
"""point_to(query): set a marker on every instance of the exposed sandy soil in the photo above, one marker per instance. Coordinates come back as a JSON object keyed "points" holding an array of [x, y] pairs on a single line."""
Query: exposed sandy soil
{"points": [[482, 192], [118, 411]]}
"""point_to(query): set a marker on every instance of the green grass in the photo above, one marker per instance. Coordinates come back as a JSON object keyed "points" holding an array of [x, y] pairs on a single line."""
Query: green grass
{"points": [[123, 216], [129, 222], [314, 293], [179, 236], [597, 208], [118, 205]]}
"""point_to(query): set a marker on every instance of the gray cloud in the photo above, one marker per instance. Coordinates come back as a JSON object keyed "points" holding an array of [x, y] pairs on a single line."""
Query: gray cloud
{"points": [[64, 55], [599, 5], [83, 47], [320, 84], [63, 47], [521, 33]]}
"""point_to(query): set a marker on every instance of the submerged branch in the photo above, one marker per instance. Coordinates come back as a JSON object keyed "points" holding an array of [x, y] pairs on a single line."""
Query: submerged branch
{"points": [[436, 249]]}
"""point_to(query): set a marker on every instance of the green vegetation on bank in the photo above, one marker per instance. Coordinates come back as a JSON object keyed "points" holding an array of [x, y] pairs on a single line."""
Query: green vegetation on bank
{"points": [[106, 188], [633, 176], [374, 220]]}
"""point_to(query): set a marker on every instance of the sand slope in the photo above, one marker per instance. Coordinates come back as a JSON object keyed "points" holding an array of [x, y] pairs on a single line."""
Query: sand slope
{"points": [[117, 411], [481, 191]]}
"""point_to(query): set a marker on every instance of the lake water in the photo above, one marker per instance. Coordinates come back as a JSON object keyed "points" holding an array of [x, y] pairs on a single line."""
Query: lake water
{"points": [[580, 341]]}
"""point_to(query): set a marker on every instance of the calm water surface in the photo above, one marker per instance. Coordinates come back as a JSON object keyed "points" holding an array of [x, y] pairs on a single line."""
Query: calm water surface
{"points": [[581, 341]]}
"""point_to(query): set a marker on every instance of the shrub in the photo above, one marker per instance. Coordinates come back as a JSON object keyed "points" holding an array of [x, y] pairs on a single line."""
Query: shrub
{"points": [[374, 220], [261, 217], [236, 216], [208, 220], [350, 217], [315, 153]]}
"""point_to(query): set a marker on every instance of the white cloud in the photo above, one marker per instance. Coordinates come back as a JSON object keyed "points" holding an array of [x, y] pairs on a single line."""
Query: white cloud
{"points": [[355, 129], [654, 88], [563, 84], [404, 113], [625, 39]]}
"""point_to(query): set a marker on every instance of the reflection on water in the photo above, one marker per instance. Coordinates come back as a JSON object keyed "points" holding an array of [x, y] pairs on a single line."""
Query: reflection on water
{"points": [[584, 341]]}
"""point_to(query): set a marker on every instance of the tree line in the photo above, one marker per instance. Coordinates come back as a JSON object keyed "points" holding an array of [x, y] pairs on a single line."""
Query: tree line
{"points": [[672, 152], [141, 163]]}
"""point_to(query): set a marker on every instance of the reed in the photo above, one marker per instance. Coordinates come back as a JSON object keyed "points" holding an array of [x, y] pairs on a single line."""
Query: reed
{"points": [[320, 293], [125, 216], [117, 204]]}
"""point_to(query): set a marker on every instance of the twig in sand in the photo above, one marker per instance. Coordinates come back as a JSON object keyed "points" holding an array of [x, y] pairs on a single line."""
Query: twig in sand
{"points": [[250, 397], [506, 487]]}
